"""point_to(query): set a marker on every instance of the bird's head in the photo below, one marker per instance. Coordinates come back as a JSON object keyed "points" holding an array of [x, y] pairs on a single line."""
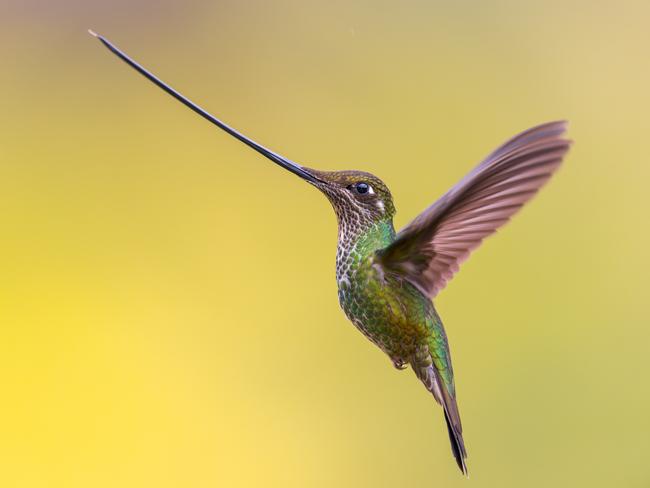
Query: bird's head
{"points": [[355, 195]]}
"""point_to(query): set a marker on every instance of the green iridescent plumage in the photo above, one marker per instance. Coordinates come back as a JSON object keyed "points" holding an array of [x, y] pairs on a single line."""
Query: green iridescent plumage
{"points": [[386, 280]]}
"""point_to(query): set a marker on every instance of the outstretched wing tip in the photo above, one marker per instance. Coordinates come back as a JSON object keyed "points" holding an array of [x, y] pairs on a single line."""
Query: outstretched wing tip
{"points": [[559, 123]]}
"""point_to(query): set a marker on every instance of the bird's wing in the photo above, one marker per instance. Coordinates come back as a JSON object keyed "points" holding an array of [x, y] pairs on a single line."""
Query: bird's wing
{"points": [[429, 250]]}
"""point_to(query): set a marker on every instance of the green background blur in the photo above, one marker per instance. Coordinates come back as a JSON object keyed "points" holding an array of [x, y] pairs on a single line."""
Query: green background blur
{"points": [[168, 306]]}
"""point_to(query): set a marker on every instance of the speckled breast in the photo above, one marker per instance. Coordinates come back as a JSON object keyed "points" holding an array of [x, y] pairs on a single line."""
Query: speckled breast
{"points": [[379, 306]]}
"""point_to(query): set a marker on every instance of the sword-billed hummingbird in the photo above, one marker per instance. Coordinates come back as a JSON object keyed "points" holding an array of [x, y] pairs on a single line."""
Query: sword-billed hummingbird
{"points": [[387, 280]]}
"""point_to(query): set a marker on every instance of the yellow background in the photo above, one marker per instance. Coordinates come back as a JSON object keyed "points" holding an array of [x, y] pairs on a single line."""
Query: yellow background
{"points": [[168, 308]]}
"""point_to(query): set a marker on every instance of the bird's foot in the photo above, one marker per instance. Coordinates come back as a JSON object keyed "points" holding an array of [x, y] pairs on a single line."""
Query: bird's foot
{"points": [[399, 364]]}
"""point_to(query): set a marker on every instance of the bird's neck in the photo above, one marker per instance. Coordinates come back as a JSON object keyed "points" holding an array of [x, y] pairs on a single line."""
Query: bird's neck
{"points": [[357, 242]]}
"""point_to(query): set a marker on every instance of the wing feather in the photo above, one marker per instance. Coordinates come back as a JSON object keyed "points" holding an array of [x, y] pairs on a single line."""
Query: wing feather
{"points": [[429, 250]]}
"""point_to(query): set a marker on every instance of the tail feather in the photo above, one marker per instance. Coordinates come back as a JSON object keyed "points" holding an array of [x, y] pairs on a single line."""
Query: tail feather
{"points": [[457, 445], [452, 417], [431, 380]]}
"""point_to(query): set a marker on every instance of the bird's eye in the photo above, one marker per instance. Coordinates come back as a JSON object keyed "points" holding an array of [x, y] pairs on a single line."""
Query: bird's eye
{"points": [[362, 188]]}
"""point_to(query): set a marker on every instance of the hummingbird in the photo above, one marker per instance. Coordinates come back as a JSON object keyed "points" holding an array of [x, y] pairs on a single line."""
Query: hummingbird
{"points": [[387, 279]]}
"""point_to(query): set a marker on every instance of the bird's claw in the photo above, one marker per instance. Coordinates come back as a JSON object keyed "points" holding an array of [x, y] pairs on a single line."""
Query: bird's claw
{"points": [[399, 364]]}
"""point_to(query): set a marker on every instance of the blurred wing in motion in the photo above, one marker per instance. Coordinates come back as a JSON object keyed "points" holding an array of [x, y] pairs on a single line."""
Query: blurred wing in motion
{"points": [[429, 250]]}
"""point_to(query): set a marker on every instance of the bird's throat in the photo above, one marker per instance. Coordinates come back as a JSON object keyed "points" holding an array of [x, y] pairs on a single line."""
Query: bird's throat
{"points": [[356, 243]]}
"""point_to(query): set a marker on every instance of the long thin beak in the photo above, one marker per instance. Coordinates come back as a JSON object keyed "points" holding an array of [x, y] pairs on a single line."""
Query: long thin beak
{"points": [[276, 158]]}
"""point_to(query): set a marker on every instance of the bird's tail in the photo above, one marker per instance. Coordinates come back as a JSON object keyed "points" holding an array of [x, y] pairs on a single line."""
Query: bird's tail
{"points": [[456, 440], [433, 383]]}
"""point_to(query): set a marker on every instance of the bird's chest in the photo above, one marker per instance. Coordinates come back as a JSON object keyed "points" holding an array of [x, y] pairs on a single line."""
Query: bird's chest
{"points": [[372, 302], [359, 288]]}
